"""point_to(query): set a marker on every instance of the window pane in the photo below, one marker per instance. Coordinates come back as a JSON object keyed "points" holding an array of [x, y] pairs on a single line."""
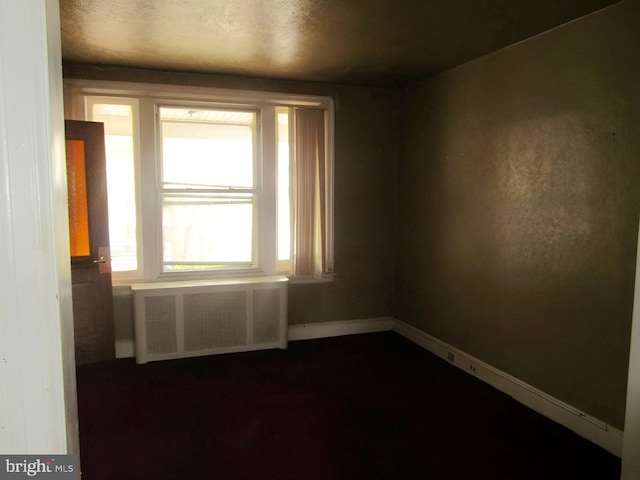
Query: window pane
{"points": [[207, 155], [118, 128], [284, 204], [207, 148], [78, 206], [207, 234]]}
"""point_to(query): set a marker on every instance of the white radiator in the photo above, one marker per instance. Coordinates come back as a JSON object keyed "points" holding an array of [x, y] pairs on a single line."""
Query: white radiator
{"points": [[186, 319]]}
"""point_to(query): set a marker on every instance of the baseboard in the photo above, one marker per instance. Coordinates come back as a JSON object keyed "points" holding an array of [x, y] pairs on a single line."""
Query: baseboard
{"points": [[308, 331], [586, 426], [125, 349]]}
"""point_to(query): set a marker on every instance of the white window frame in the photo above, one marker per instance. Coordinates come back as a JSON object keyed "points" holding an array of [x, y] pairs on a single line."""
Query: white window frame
{"points": [[261, 185], [146, 97]]}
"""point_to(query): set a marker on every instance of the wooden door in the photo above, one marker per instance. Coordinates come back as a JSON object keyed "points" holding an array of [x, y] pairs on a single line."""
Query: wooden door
{"points": [[89, 237]]}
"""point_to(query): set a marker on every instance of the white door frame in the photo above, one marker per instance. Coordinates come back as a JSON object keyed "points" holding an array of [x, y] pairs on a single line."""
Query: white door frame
{"points": [[38, 413]]}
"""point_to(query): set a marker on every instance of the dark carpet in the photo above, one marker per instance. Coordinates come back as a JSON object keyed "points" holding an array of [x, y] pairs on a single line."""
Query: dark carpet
{"points": [[371, 406]]}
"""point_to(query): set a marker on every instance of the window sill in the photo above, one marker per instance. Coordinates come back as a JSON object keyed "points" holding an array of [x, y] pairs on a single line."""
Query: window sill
{"points": [[309, 279], [210, 283], [294, 280]]}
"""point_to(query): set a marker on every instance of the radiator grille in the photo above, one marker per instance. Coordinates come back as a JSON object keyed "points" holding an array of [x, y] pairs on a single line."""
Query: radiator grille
{"points": [[266, 315], [215, 320], [160, 321], [182, 319]]}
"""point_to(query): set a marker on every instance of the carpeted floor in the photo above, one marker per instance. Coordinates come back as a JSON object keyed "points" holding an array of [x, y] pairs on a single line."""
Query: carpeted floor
{"points": [[371, 406]]}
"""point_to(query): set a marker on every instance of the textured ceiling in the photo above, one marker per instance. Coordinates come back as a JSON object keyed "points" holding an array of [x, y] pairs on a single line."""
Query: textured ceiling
{"points": [[371, 42]]}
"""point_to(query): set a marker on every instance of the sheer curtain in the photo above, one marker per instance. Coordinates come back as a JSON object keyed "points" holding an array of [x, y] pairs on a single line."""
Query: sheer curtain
{"points": [[309, 193]]}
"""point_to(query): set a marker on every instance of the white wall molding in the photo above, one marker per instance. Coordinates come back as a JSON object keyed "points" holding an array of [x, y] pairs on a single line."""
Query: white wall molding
{"points": [[309, 331], [586, 426]]}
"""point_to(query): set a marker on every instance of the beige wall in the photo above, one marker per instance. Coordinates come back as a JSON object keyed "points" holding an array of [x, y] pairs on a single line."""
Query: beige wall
{"points": [[366, 158], [519, 206]]}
